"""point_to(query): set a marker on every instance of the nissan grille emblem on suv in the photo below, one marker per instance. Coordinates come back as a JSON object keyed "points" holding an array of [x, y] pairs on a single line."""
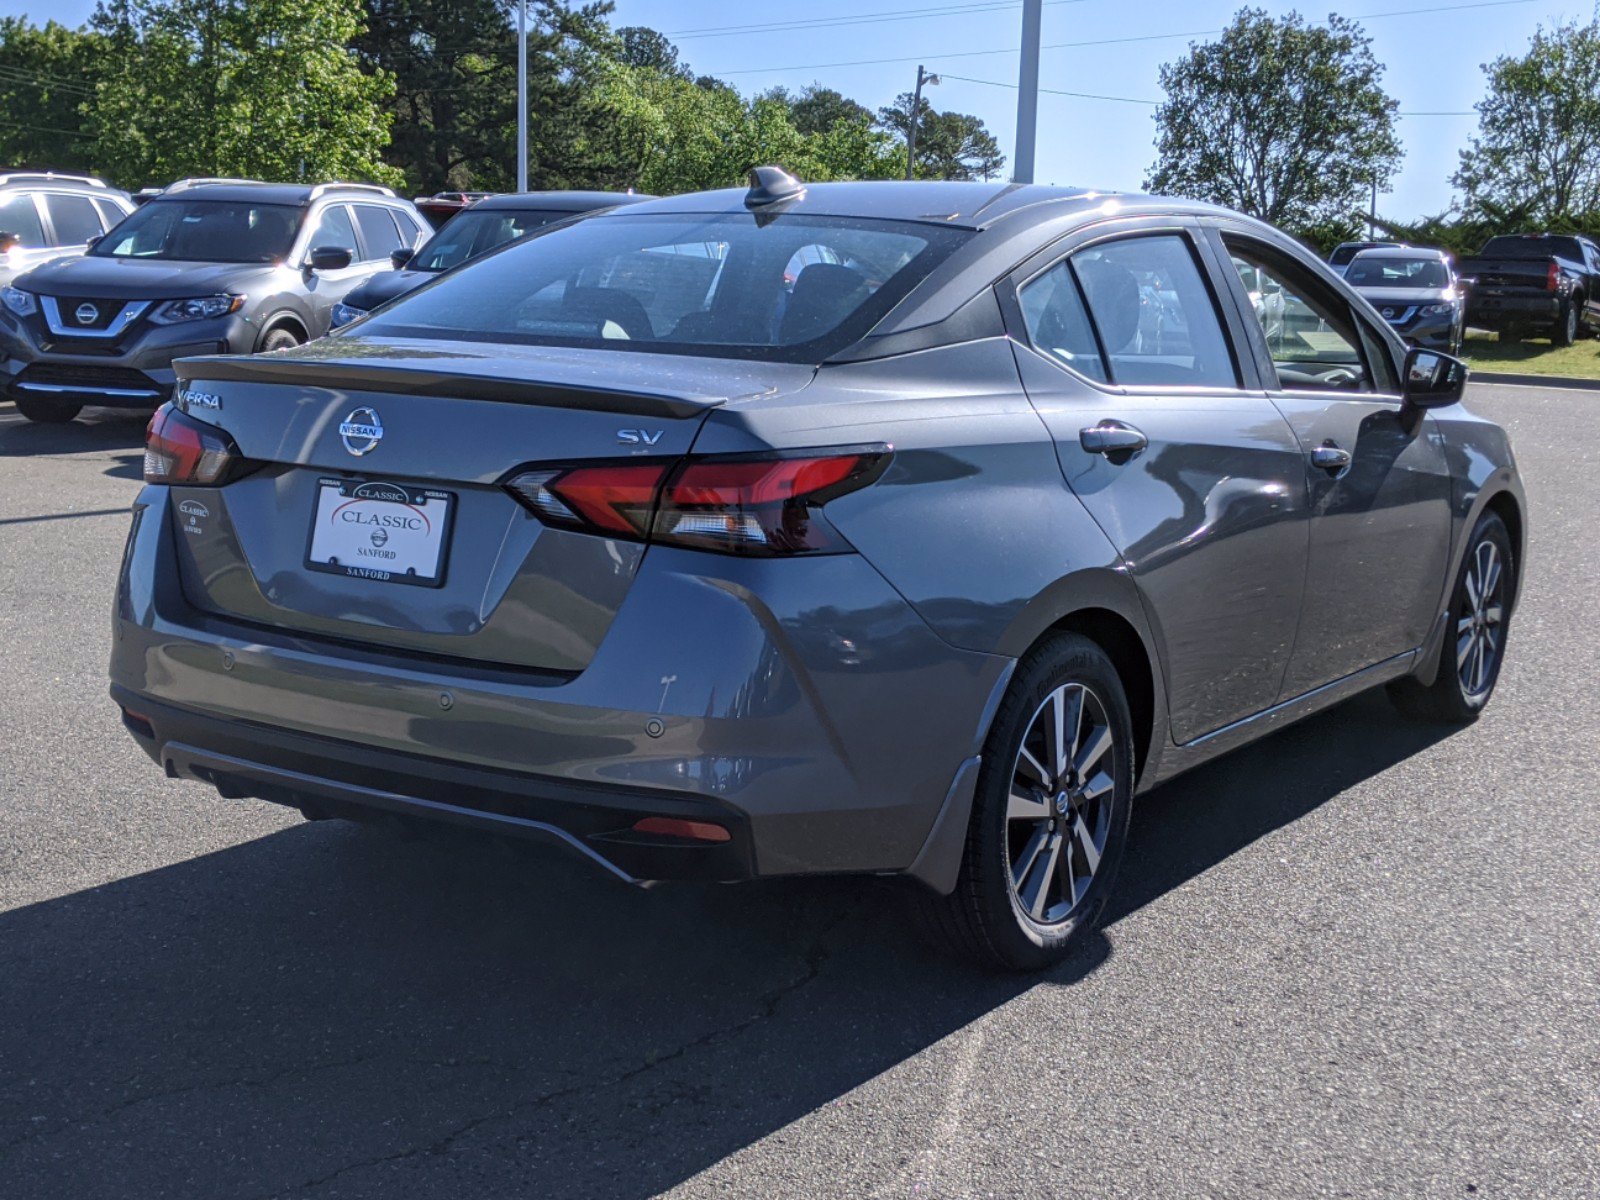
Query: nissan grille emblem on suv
{"points": [[361, 431], [87, 314]]}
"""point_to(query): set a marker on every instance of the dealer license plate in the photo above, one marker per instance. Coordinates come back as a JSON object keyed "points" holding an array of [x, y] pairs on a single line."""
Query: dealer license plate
{"points": [[372, 529]]}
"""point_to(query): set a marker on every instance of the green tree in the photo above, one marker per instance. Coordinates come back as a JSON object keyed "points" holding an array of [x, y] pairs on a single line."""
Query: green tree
{"points": [[1277, 118], [818, 109], [258, 88], [47, 75], [950, 145], [1538, 142]]}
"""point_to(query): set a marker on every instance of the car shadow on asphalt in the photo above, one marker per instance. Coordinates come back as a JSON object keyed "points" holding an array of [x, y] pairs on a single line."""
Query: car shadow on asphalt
{"points": [[96, 431], [333, 1009]]}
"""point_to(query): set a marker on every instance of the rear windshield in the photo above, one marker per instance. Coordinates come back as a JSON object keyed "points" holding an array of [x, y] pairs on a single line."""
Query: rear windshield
{"points": [[786, 287], [477, 232], [1533, 247], [1398, 273], [218, 231]]}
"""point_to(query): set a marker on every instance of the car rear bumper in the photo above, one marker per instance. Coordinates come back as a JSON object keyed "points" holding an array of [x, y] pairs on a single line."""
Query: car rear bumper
{"points": [[801, 705], [1496, 312]]}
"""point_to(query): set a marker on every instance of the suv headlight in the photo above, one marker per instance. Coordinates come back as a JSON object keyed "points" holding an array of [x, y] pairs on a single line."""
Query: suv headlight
{"points": [[20, 302], [201, 308], [343, 314], [1438, 310]]}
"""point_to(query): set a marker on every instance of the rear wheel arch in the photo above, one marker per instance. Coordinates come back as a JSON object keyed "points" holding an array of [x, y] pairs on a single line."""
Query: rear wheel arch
{"points": [[1125, 646], [1505, 506]]}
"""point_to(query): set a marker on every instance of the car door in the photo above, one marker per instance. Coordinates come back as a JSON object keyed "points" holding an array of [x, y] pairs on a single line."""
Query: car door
{"points": [[332, 227], [1377, 486], [1591, 305], [1164, 435]]}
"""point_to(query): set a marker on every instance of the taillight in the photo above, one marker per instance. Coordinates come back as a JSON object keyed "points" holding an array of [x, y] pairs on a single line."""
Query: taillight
{"points": [[1552, 277], [757, 505], [179, 449]]}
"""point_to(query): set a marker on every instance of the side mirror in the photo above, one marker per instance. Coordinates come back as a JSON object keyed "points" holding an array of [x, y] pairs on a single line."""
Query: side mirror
{"points": [[329, 258], [401, 258], [1431, 379], [92, 242], [9, 241]]}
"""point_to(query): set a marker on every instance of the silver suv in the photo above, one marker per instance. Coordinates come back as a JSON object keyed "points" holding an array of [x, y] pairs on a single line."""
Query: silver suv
{"points": [[889, 528], [207, 266], [45, 215]]}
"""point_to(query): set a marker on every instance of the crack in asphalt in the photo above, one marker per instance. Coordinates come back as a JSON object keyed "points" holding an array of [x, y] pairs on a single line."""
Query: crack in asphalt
{"points": [[814, 958]]}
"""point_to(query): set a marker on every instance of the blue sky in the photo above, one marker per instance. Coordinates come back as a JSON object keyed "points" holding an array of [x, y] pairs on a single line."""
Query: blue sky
{"points": [[1433, 63]]}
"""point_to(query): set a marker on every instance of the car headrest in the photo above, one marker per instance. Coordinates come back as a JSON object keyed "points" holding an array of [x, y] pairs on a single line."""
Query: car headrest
{"points": [[1114, 298], [609, 304], [824, 294]]}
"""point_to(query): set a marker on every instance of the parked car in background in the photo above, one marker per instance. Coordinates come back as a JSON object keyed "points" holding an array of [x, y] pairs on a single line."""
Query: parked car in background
{"points": [[856, 528], [492, 222], [1345, 251], [443, 206], [46, 216], [1416, 291], [203, 268], [1535, 284]]}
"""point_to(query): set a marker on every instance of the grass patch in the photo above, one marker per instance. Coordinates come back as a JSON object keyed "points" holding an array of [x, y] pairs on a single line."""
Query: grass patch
{"points": [[1537, 356]]}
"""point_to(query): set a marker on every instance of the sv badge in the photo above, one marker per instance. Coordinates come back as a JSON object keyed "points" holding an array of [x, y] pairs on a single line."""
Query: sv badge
{"points": [[639, 437]]}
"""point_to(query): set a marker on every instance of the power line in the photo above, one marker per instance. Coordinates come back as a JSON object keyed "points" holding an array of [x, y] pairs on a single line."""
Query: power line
{"points": [[898, 14], [1149, 37]]}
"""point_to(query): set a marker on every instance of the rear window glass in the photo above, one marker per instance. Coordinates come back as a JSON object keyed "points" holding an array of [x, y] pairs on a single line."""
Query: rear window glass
{"points": [[780, 286], [75, 218], [19, 218], [1533, 247]]}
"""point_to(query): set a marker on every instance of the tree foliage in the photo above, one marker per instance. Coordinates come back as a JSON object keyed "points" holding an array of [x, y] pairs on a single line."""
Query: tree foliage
{"points": [[47, 75], [950, 145], [267, 89], [1278, 118], [1538, 141]]}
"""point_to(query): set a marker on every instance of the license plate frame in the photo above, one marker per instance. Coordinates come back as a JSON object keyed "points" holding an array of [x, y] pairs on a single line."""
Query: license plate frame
{"points": [[394, 507]]}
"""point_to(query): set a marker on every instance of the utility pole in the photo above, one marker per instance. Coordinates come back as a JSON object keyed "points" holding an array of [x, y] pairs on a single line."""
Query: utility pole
{"points": [[522, 95], [1372, 215], [1027, 92], [923, 77]]}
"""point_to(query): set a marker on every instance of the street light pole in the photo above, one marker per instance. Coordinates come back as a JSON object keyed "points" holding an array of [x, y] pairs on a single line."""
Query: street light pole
{"points": [[1027, 92], [522, 95], [923, 77]]}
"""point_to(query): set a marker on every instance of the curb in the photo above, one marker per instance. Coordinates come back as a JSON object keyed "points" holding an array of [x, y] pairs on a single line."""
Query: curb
{"points": [[1547, 381]]}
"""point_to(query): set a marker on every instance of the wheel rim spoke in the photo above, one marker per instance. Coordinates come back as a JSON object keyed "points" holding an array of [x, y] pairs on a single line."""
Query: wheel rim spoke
{"points": [[1036, 768], [1091, 852], [1464, 649], [1095, 747], [1030, 854], [1098, 786], [1036, 894], [1027, 806], [1493, 613]]}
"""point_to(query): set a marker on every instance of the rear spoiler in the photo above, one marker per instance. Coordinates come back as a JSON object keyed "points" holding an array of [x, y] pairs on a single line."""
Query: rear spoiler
{"points": [[383, 377]]}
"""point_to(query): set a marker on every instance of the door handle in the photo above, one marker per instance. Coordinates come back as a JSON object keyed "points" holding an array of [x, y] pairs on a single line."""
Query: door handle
{"points": [[1330, 457], [1112, 438]]}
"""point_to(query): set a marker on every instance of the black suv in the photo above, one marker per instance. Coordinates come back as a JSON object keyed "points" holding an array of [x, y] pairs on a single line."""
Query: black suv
{"points": [[490, 223], [44, 216], [206, 267]]}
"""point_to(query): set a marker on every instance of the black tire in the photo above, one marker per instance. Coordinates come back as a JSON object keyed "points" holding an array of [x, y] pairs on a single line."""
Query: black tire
{"points": [[47, 412], [1566, 328], [983, 919], [1459, 692], [277, 339]]}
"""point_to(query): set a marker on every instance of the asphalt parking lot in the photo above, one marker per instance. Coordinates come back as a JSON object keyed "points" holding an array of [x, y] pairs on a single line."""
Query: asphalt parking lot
{"points": [[1359, 959]]}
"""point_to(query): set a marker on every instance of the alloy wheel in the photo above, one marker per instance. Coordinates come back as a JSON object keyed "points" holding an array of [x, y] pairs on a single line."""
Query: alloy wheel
{"points": [[1058, 815], [1480, 621]]}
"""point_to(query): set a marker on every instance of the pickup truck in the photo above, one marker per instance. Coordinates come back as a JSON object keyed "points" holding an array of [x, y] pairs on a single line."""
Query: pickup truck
{"points": [[1534, 283]]}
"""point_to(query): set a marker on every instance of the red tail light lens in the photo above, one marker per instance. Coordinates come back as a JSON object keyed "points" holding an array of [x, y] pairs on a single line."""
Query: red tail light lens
{"points": [[761, 506], [179, 449], [769, 505], [1552, 277]]}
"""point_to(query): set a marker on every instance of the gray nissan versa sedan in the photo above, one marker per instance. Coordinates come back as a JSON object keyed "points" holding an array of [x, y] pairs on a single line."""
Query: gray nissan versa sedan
{"points": [[900, 528]]}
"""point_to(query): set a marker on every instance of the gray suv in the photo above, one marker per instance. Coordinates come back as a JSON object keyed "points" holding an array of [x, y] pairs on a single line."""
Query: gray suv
{"points": [[45, 215], [206, 267], [885, 528]]}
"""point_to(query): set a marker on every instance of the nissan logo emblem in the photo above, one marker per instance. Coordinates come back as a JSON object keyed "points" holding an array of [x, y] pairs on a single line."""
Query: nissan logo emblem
{"points": [[87, 314], [361, 431]]}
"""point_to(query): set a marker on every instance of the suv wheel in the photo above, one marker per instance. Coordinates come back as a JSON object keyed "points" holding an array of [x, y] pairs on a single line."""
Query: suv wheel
{"points": [[1566, 331], [1050, 817], [277, 339], [1475, 645], [47, 412]]}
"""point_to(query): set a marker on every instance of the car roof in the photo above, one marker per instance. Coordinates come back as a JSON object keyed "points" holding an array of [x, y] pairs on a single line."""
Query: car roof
{"points": [[555, 201], [1405, 252], [254, 192], [964, 205]]}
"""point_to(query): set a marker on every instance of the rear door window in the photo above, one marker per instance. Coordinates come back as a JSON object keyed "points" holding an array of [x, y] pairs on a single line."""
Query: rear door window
{"points": [[1155, 316], [1058, 323], [110, 214], [20, 218], [74, 218]]}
